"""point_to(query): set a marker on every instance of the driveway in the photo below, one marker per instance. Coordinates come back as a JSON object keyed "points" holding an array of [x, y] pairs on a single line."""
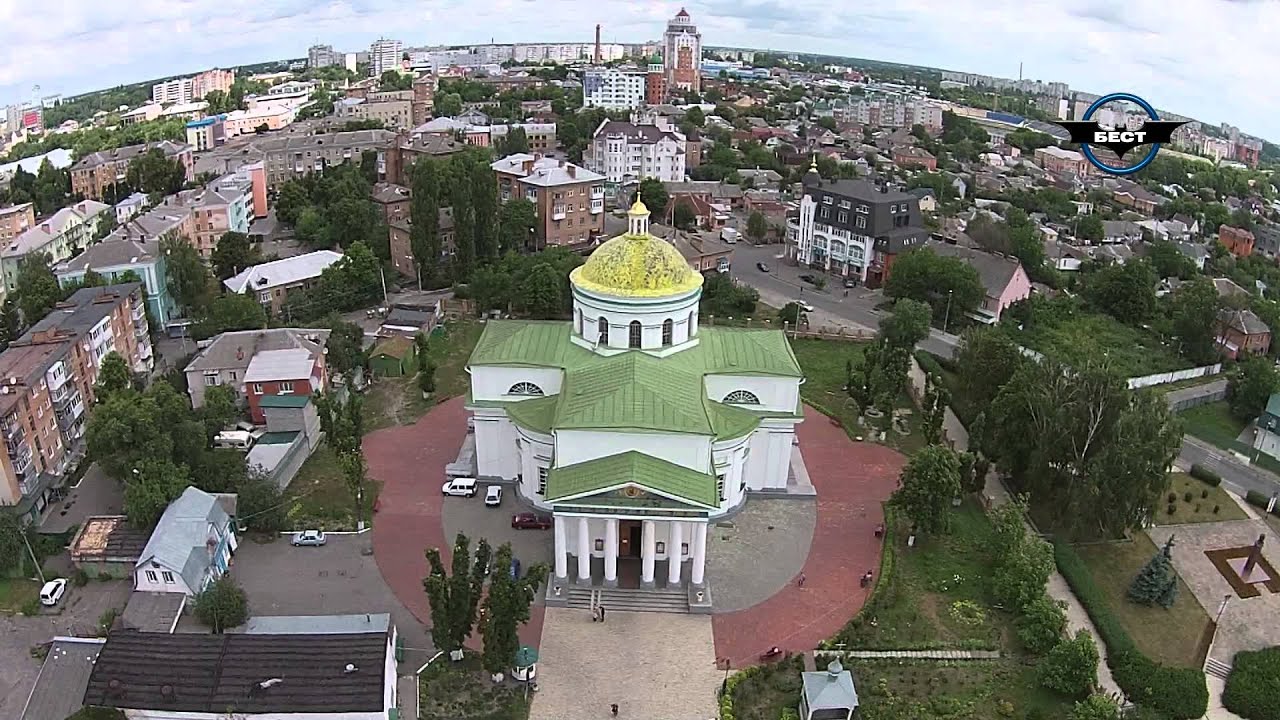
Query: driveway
{"points": [[339, 578], [472, 518], [79, 612]]}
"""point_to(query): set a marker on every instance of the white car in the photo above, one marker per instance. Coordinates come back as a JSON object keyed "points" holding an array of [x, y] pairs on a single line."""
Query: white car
{"points": [[805, 306], [53, 591], [309, 537], [493, 495], [460, 487]]}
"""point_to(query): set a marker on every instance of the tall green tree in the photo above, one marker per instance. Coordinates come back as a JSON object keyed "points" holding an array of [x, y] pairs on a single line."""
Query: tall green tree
{"points": [[190, 282], [10, 321], [484, 208], [52, 189], [1125, 292], [942, 282], [233, 311], [987, 359], [147, 492], [424, 212], [928, 484], [541, 295], [233, 254], [464, 225], [757, 226], [506, 609], [1249, 386], [1071, 668], [222, 605], [1193, 315], [113, 377], [517, 226], [1156, 583], [290, 201], [36, 287], [654, 196], [448, 105], [907, 325], [153, 172]]}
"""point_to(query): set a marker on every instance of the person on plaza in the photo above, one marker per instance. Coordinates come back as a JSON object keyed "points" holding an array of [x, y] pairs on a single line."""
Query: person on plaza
{"points": [[800, 580], [601, 613], [613, 709], [595, 614]]}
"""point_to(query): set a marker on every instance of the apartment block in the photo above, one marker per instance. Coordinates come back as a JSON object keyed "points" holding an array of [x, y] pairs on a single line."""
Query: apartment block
{"points": [[15, 220], [424, 99], [613, 88], [184, 90], [46, 387], [319, 56], [569, 199], [1056, 160], [224, 205], [287, 158], [96, 172], [392, 109], [64, 234], [405, 150], [384, 55], [626, 153], [273, 282]]}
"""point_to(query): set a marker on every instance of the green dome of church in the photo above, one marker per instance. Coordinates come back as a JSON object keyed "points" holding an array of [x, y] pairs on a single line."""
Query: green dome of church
{"points": [[637, 264]]}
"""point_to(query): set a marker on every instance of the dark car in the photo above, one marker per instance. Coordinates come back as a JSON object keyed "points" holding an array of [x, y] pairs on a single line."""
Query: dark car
{"points": [[808, 278], [762, 267], [530, 521]]}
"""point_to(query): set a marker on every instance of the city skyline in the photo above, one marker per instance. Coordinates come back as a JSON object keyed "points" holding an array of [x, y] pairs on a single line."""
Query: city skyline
{"points": [[1094, 47]]}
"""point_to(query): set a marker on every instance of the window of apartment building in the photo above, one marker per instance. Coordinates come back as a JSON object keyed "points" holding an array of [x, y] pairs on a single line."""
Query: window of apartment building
{"points": [[842, 216], [211, 379], [233, 374], [824, 213], [168, 576], [151, 576], [826, 199], [862, 209], [286, 387], [257, 388], [845, 204], [861, 223]]}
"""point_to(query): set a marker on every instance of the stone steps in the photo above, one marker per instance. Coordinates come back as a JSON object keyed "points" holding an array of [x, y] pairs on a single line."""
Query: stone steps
{"points": [[633, 600]]}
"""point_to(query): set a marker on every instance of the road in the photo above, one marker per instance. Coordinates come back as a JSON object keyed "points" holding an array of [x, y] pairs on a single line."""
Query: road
{"points": [[1236, 476], [782, 284]]}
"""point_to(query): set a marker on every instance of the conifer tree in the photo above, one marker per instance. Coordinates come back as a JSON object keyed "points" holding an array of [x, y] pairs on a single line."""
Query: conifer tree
{"points": [[1156, 583]]}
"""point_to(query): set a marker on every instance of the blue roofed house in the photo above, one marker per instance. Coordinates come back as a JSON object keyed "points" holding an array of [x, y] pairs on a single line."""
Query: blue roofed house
{"points": [[190, 547]]}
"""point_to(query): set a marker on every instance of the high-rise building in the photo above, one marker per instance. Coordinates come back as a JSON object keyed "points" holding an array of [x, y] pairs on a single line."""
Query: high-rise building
{"points": [[655, 82], [185, 90], [613, 88], [319, 56], [384, 55], [682, 53]]}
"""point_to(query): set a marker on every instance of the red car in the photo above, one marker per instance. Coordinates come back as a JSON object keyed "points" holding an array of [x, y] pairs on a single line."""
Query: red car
{"points": [[530, 521]]}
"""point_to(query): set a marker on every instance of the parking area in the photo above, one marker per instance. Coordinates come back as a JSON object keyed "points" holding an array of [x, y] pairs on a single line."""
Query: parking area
{"points": [[339, 578], [472, 518], [77, 614]]}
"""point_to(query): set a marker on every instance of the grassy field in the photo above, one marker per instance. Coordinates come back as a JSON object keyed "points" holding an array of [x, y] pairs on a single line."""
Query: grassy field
{"points": [[318, 496], [969, 690], [399, 401], [16, 592], [1170, 636], [1131, 351], [463, 691], [768, 691], [1207, 504], [1214, 424], [824, 364]]}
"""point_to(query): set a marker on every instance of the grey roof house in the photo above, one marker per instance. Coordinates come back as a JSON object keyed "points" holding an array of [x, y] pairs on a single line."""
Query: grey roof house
{"points": [[226, 359], [190, 547]]}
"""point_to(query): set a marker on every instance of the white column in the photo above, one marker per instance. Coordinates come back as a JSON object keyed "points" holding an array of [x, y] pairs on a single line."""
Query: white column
{"points": [[584, 551], [674, 556], [699, 552], [611, 552], [562, 550], [647, 553]]}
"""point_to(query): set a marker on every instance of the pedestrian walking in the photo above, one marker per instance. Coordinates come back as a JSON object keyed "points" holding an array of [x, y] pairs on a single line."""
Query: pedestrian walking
{"points": [[613, 709], [595, 614], [602, 619], [800, 580]]}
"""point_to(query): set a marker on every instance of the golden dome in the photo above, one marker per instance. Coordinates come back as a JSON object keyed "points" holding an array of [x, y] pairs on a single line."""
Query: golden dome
{"points": [[638, 208], [636, 266]]}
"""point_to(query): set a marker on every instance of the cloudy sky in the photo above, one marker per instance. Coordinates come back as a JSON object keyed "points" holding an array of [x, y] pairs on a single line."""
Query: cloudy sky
{"points": [[1211, 59]]}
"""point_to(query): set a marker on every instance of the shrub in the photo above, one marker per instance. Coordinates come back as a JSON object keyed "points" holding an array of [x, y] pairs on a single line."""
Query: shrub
{"points": [[1205, 475], [105, 577], [1096, 707], [790, 714], [106, 620], [1172, 509], [1071, 668], [1173, 498], [1186, 497], [1256, 499], [1204, 494], [31, 608], [1254, 685], [222, 605], [80, 578], [928, 363], [1179, 693], [1042, 624]]}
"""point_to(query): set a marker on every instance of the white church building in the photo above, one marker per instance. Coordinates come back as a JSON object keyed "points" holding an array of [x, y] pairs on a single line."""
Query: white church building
{"points": [[633, 426]]}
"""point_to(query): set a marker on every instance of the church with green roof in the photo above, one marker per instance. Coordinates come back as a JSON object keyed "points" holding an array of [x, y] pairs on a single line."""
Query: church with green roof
{"points": [[631, 425]]}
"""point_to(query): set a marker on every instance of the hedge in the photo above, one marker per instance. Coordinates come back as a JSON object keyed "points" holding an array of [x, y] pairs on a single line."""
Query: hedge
{"points": [[928, 363], [1253, 687], [1180, 693], [1260, 501], [1205, 475]]}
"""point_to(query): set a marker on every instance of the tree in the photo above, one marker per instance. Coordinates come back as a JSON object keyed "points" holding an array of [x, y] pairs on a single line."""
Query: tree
{"points": [[36, 287], [234, 311], [52, 189], [928, 484], [654, 196], [1250, 385], [484, 210], [1168, 261], [1042, 624], [933, 409], [987, 358], [10, 321], [353, 474], [908, 325], [113, 377], [448, 105], [189, 280], [1126, 292], [1071, 668], [1020, 575], [517, 226], [757, 226], [450, 595], [791, 314], [1156, 583], [154, 173], [219, 409], [123, 431], [1096, 707], [722, 297], [222, 605], [683, 216], [515, 141], [148, 491], [312, 229], [233, 253], [506, 609], [1103, 432], [345, 348], [694, 115], [427, 377], [393, 80], [13, 551], [1193, 316], [942, 282], [260, 504], [541, 295], [291, 201], [1089, 227]]}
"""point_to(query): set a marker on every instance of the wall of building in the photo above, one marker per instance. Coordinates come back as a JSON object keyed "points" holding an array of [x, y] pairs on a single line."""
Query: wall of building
{"points": [[578, 446], [492, 383]]}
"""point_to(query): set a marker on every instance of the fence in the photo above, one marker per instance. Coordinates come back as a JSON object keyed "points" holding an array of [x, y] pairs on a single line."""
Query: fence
{"points": [[1172, 377]]}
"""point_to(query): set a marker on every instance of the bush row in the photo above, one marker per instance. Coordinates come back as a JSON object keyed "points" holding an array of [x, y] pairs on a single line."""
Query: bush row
{"points": [[1205, 475], [1253, 688], [928, 363], [1179, 693], [1260, 501]]}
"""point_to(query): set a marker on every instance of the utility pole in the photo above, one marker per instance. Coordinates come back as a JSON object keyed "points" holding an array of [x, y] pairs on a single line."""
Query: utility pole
{"points": [[383, 274], [946, 319], [35, 561]]}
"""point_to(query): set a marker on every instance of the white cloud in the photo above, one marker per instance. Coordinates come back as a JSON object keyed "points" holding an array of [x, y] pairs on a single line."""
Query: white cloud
{"points": [[1206, 58]]}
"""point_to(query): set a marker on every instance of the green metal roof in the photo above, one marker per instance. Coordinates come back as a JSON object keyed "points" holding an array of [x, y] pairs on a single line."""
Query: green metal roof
{"points": [[278, 438], [633, 390], [284, 401], [537, 414], [632, 468], [524, 342], [735, 351], [729, 421]]}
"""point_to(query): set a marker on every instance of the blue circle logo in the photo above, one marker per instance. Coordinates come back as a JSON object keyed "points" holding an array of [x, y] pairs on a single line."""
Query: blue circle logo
{"points": [[1087, 132]]}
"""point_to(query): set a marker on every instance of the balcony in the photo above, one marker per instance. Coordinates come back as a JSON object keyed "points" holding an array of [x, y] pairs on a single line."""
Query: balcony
{"points": [[61, 395], [12, 430], [597, 192], [139, 331], [139, 312], [29, 484], [558, 212], [597, 207], [22, 462]]}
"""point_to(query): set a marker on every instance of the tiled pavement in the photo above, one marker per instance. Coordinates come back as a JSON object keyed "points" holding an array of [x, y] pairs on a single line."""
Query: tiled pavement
{"points": [[852, 480], [409, 461]]}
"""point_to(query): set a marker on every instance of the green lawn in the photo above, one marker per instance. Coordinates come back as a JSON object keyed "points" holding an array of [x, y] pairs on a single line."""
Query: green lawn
{"points": [[463, 691], [17, 592], [824, 363], [1207, 504], [399, 401], [1214, 424], [1132, 352], [968, 690], [1170, 636], [768, 691], [318, 496]]}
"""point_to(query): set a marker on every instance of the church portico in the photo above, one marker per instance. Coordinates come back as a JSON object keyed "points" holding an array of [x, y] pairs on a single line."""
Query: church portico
{"points": [[667, 552]]}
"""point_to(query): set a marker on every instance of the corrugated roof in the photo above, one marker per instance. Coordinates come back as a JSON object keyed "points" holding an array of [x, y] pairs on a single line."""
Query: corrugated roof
{"points": [[397, 347], [633, 390], [631, 468], [282, 272], [236, 349], [63, 677], [283, 401], [291, 364], [315, 624], [178, 542]]}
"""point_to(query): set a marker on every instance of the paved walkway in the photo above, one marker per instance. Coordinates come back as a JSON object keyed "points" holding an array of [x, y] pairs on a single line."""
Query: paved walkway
{"points": [[852, 480], [916, 654], [409, 462], [653, 665]]}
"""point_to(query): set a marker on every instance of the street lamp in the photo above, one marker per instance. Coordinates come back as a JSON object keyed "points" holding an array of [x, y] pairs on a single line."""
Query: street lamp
{"points": [[946, 319]]}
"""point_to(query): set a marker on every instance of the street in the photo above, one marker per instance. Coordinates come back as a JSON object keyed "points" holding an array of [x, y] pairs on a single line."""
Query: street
{"points": [[1236, 476], [782, 284]]}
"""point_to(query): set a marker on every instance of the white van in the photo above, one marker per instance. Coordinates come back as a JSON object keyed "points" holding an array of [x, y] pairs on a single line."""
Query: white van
{"points": [[233, 439], [460, 487]]}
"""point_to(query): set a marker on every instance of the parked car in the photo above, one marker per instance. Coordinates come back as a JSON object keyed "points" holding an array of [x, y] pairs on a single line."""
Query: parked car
{"points": [[514, 569], [460, 487], [530, 521], [493, 495], [850, 282], [52, 591], [309, 537], [805, 306], [762, 267], [809, 279]]}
